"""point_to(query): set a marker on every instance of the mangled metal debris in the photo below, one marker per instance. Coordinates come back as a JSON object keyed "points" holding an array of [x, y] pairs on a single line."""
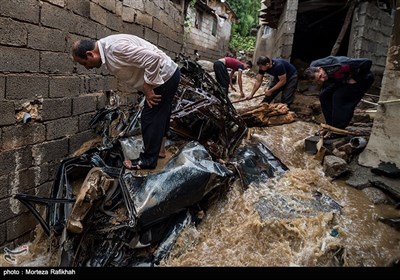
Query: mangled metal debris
{"points": [[100, 214], [256, 163]]}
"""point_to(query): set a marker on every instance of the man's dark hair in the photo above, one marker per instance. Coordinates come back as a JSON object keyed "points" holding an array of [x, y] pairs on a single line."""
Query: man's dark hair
{"points": [[82, 46], [309, 73], [250, 63], [263, 60]]}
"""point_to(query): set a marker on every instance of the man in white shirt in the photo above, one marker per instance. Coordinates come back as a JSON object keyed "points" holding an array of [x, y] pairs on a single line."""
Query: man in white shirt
{"points": [[146, 68]]}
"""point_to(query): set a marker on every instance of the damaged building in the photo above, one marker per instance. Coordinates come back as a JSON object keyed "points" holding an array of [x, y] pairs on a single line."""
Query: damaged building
{"points": [[304, 30]]}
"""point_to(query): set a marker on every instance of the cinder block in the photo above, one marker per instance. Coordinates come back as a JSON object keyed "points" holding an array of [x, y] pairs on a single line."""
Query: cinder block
{"points": [[61, 128], [51, 151], [310, 144], [27, 86], [15, 60], [22, 135], [7, 110], [56, 108], [20, 225], [27, 10]]}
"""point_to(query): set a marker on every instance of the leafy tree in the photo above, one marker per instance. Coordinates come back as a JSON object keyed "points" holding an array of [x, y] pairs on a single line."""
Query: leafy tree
{"points": [[247, 12]]}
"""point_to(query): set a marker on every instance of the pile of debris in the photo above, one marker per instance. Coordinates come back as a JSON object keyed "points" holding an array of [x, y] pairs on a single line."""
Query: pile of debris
{"points": [[101, 214], [267, 114]]}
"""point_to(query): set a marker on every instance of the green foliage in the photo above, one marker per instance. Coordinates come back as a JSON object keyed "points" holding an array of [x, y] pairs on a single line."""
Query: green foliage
{"points": [[241, 43], [247, 12]]}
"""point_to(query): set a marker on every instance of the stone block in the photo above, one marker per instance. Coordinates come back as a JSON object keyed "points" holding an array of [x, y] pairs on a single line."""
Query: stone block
{"points": [[12, 33], [7, 110], [64, 86], [61, 128], [15, 60], [42, 38], [27, 10], [22, 135], [51, 151], [27, 86], [56, 108]]}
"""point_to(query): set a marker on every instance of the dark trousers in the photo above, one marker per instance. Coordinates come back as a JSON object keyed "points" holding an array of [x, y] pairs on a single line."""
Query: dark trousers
{"points": [[338, 101], [221, 75], [155, 121], [288, 91]]}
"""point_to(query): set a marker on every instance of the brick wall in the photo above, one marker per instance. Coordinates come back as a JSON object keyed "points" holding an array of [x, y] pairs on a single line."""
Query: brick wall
{"points": [[38, 77]]}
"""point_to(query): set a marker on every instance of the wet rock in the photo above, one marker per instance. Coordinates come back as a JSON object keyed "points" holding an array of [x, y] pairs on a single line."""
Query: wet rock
{"points": [[359, 178], [387, 169], [375, 195], [392, 189], [334, 166]]}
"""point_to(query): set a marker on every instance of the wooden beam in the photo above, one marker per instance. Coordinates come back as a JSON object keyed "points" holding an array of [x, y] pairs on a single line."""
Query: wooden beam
{"points": [[345, 26]]}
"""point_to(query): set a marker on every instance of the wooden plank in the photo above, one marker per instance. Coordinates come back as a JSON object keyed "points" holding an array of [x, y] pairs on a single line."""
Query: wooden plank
{"points": [[345, 26]]}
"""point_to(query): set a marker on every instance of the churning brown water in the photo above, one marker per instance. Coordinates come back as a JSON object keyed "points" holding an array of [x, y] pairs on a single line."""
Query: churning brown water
{"points": [[290, 232], [277, 223]]}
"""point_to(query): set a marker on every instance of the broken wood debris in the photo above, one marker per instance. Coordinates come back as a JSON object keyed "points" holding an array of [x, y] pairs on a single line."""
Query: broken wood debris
{"points": [[267, 114]]}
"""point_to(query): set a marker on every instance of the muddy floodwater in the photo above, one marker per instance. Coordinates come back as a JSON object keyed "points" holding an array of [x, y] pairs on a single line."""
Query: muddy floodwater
{"points": [[277, 222], [288, 231], [235, 233]]}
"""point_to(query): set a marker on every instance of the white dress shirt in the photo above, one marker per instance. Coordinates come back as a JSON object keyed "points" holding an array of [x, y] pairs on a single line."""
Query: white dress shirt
{"points": [[134, 60]]}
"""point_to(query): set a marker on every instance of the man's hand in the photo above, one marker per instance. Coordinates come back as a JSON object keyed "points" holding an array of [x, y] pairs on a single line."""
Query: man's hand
{"points": [[249, 97], [351, 81], [267, 92], [152, 99]]}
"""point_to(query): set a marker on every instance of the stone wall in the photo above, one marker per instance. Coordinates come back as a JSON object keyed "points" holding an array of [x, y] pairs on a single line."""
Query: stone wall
{"points": [[370, 34], [38, 77]]}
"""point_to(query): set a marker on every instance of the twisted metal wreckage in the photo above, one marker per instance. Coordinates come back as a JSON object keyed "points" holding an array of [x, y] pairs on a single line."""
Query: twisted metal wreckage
{"points": [[100, 214]]}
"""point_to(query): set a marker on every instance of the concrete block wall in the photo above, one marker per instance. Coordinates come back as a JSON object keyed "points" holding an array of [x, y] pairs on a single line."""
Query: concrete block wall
{"points": [[285, 31], [370, 36], [37, 76], [279, 42], [209, 47]]}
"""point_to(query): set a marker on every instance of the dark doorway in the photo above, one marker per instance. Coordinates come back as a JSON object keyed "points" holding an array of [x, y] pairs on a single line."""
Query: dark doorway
{"points": [[318, 25]]}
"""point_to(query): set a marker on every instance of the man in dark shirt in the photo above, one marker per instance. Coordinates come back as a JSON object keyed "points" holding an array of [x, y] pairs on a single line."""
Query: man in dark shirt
{"points": [[344, 82], [284, 79]]}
